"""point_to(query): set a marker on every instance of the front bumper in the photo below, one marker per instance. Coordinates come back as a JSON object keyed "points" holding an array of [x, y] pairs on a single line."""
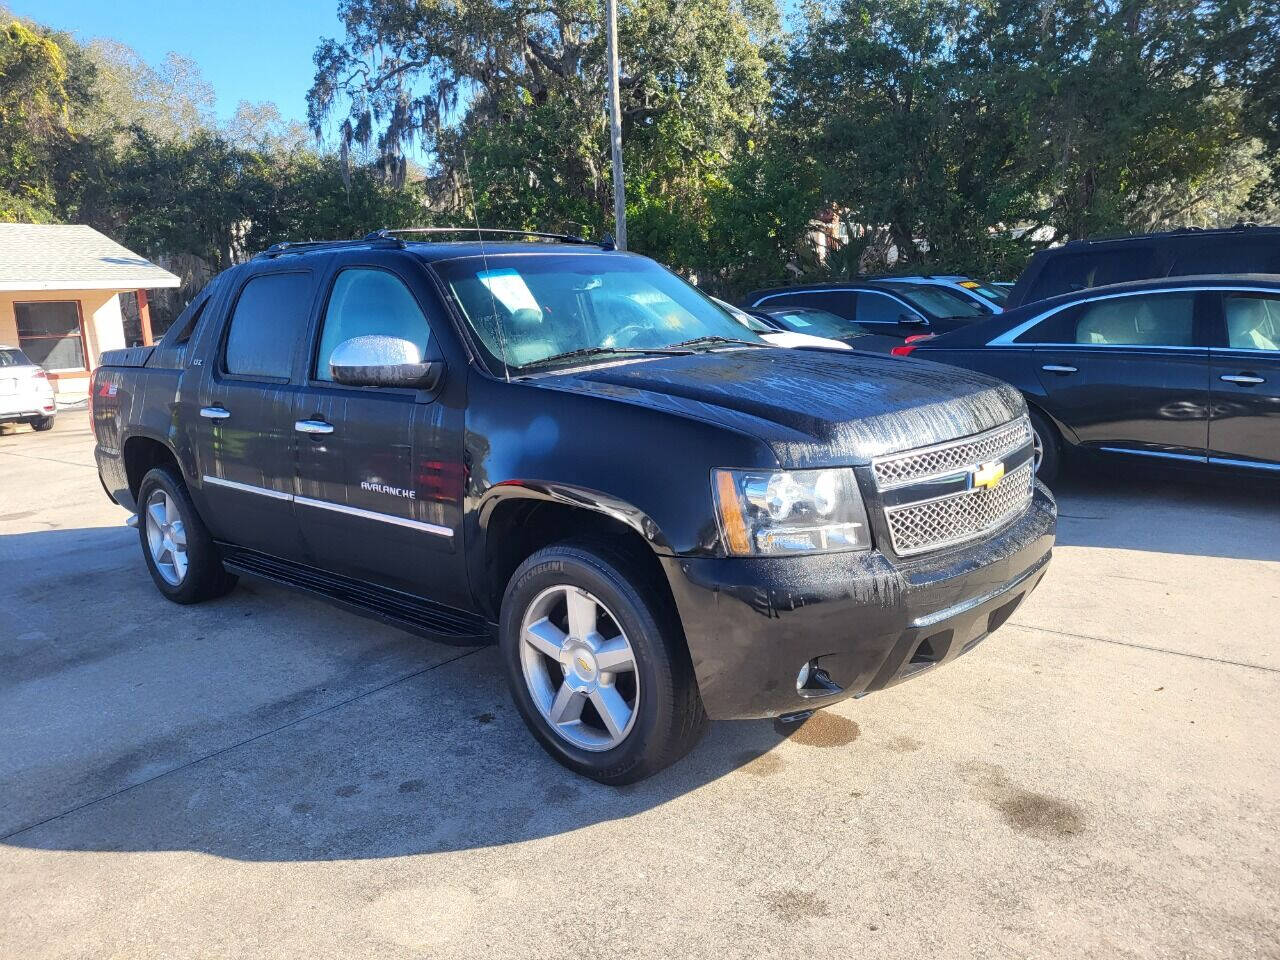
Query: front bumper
{"points": [[752, 623]]}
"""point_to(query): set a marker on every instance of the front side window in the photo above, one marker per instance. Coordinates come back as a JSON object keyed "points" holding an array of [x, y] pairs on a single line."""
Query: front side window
{"points": [[530, 308], [1253, 321], [50, 334], [368, 302], [268, 321]]}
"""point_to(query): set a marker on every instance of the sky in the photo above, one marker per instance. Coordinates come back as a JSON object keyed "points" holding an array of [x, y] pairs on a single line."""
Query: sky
{"points": [[254, 51]]}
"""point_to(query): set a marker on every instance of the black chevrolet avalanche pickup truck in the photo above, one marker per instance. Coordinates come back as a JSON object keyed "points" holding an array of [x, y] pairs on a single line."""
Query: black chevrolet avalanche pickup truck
{"points": [[571, 451]]}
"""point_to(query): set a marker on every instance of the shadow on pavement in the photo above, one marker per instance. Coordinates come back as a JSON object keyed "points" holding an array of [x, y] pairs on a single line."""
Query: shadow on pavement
{"points": [[270, 726], [1169, 512]]}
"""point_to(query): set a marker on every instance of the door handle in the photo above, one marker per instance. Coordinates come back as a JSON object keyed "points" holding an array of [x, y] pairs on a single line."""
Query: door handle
{"points": [[1242, 378], [215, 413], [1057, 368], [314, 427]]}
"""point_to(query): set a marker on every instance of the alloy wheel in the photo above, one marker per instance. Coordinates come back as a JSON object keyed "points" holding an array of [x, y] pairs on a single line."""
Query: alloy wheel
{"points": [[579, 668], [1037, 450], [166, 538]]}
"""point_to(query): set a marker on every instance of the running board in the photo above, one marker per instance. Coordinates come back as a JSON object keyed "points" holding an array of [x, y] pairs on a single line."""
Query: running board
{"points": [[414, 614]]}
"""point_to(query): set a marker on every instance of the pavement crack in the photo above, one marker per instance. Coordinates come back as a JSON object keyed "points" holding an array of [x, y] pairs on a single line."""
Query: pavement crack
{"points": [[1144, 646], [238, 744], [27, 456]]}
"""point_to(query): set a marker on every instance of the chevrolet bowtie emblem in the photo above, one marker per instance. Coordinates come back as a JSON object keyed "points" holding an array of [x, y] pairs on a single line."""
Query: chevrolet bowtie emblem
{"points": [[987, 475]]}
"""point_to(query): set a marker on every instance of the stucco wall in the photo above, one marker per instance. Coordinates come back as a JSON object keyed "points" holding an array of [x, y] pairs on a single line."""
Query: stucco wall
{"points": [[103, 327]]}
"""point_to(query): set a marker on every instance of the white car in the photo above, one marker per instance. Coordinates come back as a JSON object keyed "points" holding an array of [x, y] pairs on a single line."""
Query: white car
{"points": [[779, 338], [26, 395]]}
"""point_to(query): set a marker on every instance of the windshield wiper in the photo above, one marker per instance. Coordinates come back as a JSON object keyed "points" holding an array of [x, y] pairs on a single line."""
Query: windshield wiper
{"points": [[674, 351], [713, 339]]}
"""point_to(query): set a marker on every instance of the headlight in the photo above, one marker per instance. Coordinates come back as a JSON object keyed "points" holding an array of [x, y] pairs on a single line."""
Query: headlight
{"points": [[779, 512]]}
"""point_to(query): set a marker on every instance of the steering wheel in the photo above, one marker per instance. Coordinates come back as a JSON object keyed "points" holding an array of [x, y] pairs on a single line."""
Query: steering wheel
{"points": [[633, 335]]}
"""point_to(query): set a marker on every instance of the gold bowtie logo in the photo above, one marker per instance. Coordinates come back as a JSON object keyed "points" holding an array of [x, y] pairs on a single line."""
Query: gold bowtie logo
{"points": [[987, 475]]}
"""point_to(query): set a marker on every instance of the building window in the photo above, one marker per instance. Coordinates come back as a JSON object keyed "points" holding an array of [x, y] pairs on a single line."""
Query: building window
{"points": [[51, 334]]}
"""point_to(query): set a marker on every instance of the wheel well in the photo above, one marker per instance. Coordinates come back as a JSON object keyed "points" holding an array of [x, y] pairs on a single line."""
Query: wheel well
{"points": [[518, 529], [140, 455], [1053, 424]]}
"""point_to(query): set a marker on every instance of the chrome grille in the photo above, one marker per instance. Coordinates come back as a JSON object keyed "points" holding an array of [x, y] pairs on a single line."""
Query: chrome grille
{"points": [[932, 524], [952, 457]]}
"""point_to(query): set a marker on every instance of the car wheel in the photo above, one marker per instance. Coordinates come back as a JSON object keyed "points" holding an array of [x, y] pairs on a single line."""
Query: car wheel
{"points": [[597, 663], [179, 552], [42, 423], [1048, 449]]}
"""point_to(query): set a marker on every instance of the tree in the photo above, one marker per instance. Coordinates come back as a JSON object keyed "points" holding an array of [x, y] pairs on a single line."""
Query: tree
{"points": [[35, 120], [507, 101]]}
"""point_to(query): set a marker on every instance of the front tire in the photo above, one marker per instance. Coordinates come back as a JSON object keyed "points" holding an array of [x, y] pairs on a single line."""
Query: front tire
{"points": [[597, 663], [180, 554], [1048, 449]]}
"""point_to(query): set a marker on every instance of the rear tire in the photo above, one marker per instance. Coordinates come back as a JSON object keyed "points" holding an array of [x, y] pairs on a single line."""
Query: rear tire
{"points": [[180, 554], [1048, 447], [42, 423], [659, 715]]}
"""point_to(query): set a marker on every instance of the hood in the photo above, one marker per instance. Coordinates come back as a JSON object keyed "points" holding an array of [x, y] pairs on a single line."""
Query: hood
{"points": [[814, 408]]}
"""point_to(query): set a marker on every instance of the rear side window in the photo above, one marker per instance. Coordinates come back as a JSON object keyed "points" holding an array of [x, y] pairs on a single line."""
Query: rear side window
{"points": [[839, 302], [1253, 321], [1068, 272], [268, 321], [877, 308], [13, 358], [1158, 320], [1236, 255], [368, 302]]}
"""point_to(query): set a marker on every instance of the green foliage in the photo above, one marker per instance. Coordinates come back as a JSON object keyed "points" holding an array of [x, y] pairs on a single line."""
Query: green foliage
{"points": [[35, 106]]}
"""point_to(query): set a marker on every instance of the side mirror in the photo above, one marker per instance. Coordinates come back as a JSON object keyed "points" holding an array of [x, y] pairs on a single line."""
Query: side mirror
{"points": [[377, 361], [912, 320]]}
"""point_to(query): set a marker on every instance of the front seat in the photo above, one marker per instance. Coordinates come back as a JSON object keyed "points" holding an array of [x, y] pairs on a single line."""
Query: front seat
{"points": [[526, 338]]}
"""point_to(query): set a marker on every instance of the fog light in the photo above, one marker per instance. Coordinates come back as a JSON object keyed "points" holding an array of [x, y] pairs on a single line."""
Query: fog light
{"points": [[803, 676], [814, 681]]}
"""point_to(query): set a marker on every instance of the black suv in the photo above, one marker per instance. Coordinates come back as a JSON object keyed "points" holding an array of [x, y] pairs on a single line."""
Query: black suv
{"points": [[1082, 264], [574, 452]]}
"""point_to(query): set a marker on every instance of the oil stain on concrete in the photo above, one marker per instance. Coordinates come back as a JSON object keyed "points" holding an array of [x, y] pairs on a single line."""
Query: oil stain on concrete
{"points": [[1027, 811], [823, 729], [792, 905]]}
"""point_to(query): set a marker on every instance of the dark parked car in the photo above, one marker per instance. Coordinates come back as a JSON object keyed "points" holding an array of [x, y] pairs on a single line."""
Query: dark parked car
{"points": [[1184, 370], [822, 323], [575, 453], [1083, 264], [891, 308]]}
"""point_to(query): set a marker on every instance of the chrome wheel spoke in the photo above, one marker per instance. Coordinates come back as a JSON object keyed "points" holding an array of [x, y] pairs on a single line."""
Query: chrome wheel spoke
{"points": [[613, 710], [545, 637], [178, 533], [157, 513], [166, 538], [567, 706], [582, 613], [614, 656]]}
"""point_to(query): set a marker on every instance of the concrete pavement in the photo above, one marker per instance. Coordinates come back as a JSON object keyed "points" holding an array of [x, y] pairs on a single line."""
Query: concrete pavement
{"points": [[266, 775]]}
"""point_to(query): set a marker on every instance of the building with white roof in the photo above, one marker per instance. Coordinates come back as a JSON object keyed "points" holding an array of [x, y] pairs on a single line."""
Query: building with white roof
{"points": [[59, 297]]}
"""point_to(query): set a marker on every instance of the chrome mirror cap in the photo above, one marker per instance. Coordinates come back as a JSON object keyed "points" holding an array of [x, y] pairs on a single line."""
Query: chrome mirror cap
{"points": [[378, 361]]}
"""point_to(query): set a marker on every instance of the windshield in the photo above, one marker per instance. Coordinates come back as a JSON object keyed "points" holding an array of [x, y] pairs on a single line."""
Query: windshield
{"points": [[817, 323], [530, 308], [10, 357], [990, 291], [939, 301], [755, 324]]}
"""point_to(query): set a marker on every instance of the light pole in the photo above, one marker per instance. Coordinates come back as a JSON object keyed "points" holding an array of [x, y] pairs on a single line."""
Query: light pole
{"points": [[615, 129]]}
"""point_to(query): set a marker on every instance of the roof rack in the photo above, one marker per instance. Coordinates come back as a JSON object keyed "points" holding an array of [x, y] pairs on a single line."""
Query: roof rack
{"points": [[1237, 227], [306, 246], [385, 234]]}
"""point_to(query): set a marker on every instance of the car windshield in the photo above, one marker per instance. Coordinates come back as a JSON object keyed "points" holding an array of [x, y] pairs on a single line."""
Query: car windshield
{"points": [[817, 323], [532, 309], [10, 357], [939, 301], [997, 295], [754, 324]]}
